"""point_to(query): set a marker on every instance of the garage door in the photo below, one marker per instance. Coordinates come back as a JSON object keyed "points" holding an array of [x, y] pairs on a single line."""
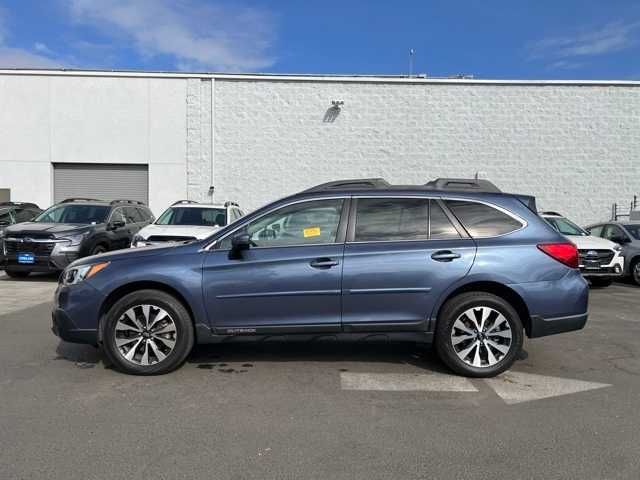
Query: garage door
{"points": [[100, 181]]}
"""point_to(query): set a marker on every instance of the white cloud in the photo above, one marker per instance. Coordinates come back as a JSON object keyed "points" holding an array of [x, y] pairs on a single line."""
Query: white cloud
{"points": [[11, 57], [195, 35], [611, 37]]}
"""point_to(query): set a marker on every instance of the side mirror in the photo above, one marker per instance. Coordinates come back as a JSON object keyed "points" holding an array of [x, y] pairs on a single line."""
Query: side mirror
{"points": [[240, 242], [116, 224]]}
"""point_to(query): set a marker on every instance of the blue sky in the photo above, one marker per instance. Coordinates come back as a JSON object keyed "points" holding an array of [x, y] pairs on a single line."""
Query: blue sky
{"points": [[561, 39]]}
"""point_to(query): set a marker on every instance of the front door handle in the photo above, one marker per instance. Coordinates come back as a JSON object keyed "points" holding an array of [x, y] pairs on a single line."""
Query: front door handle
{"points": [[445, 256], [323, 263]]}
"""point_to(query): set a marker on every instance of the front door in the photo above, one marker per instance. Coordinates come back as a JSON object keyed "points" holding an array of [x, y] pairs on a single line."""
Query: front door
{"points": [[401, 254], [288, 281]]}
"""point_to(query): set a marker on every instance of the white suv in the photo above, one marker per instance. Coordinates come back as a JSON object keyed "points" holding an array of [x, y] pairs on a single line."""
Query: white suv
{"points": [[600, 260], [187, 220]]}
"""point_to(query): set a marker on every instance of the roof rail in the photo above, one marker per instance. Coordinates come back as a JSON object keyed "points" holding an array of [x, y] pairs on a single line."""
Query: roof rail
{"points": [[463, 184], [550, 212], [184, 202], [18, 204], [356, 183], [80, 199], [124, 200], [230, 203]]}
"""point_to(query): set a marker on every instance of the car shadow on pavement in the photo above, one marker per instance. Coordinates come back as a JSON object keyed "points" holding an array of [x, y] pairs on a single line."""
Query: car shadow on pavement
{"points": [[84, 356], [220, 356], [33, 278]]}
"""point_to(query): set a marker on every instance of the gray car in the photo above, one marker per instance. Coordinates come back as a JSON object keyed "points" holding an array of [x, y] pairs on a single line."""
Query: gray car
{"points": [[627, 234]]}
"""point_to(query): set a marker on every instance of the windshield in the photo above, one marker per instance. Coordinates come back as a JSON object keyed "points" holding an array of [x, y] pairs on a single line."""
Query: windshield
{"points": [[565, 227], [193, 216], [633, 229], [84, 214]]}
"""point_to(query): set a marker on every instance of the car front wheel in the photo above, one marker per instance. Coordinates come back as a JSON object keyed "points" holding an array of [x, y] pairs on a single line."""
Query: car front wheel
{"points": [[147, 332], [478, 334]]}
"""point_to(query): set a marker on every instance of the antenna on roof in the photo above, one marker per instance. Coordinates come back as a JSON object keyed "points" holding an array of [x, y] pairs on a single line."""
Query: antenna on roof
{"points": [[412, 53]]}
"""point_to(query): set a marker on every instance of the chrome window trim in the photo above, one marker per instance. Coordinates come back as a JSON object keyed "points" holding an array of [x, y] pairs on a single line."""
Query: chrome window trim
{"points": [[444, 198], [209, 246]]}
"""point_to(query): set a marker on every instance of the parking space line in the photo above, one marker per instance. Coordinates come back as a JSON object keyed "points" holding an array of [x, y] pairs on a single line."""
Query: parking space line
{"points": [[517, 387], [404, 382]]}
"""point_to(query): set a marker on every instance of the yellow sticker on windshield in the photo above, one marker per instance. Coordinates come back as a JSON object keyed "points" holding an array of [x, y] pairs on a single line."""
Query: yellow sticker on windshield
{"points": [[311, 232]]}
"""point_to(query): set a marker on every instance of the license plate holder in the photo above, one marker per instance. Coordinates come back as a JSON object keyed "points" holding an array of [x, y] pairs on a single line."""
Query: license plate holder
{"points": [[26, 258]]}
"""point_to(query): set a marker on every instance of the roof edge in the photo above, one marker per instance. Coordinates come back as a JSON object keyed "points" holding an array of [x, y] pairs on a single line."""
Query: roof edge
{"points": [[334, 78]]}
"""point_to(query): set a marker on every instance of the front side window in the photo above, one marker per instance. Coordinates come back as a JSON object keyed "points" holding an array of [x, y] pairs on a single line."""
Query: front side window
{"points": [[309, 223], [596, 231], [5, 217], [482, 220], [193, 216], [132, 215], [78, 214], [614, 233], [564, 226]]}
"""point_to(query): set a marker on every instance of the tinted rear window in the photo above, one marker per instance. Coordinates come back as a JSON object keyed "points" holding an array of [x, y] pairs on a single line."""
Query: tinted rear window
{"points": [[392, 219], [481, 220]]}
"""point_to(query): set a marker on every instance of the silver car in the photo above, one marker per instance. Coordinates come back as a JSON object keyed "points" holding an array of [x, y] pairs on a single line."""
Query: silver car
{"points": [[627, 234]]}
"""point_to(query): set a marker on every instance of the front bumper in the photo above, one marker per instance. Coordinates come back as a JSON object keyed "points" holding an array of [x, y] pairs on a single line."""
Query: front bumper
{"points": [[613, 269], [75, 314], [42, 263]]}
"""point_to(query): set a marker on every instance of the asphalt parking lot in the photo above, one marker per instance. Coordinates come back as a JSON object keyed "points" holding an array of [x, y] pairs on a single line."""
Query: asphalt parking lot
{"points": [[567, 410]]}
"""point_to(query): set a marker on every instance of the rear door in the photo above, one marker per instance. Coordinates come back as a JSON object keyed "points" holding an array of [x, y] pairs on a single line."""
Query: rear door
{"points": [[401, 254]]}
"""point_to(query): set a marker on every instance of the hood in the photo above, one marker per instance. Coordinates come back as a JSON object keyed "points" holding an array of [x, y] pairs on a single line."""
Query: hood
{"points": [[127, 254], [198, 231], [55, 229], [591, 242]]}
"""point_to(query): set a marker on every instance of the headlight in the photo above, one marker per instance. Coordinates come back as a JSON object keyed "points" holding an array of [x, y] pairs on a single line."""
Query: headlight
{"points": [[75, 239], [71, 276], [617, 248]]}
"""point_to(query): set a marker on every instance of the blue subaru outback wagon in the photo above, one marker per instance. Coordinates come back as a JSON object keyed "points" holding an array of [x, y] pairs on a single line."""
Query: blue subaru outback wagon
{"points": [[453, 262]]}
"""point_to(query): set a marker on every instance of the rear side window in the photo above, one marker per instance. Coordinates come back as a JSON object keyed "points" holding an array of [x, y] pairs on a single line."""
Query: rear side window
{"points": [[481, 220], [144, 214], [380, 219], [132, 215]]}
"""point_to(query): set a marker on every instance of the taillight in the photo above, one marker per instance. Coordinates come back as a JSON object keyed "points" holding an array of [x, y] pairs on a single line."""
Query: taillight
{"points": [[566, 253]]}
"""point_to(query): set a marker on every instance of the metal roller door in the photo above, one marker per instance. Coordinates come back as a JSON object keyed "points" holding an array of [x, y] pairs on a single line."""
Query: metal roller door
{"points": [[100, 181]]}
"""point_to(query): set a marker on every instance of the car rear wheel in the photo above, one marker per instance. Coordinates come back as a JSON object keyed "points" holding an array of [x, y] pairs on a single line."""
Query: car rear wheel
{"points": [[17, 273], [148, 332], [478, 334]]}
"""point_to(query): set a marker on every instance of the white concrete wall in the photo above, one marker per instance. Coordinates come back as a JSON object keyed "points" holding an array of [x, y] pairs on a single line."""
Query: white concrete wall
{"points": [[45, 120], [575, 147]]}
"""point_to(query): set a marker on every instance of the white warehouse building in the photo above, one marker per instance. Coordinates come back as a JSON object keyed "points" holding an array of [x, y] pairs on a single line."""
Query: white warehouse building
{"points": [[161, 137]]}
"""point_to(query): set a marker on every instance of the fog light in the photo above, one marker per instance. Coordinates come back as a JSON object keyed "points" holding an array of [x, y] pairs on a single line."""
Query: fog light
{"points": [[617, 269]]}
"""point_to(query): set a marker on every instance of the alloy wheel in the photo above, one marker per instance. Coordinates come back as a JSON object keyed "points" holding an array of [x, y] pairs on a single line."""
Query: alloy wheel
{"points": [[481, 337], [145, 335]]}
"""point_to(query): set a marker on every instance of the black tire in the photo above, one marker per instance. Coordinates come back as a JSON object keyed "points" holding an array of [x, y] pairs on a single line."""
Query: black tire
{"points": [[98, 249], [451, 312], [184, 334], [600, 282], [634, 270], [17, 273]]}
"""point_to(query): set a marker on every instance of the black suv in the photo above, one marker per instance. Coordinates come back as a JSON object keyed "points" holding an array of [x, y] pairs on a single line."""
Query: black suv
{"points": [[73, 228]]}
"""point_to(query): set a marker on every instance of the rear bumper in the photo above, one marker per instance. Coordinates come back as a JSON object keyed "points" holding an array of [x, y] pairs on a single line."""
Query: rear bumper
{"points": [[541, 327]]}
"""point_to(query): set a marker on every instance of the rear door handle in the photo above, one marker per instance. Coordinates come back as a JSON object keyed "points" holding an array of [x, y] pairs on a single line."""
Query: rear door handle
{"points": [[323, 263], [445, 256]]}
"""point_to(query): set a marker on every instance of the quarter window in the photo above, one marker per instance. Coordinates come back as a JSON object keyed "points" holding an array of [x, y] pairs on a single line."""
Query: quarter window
{"points": [[307, 223], [481, 220]]}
